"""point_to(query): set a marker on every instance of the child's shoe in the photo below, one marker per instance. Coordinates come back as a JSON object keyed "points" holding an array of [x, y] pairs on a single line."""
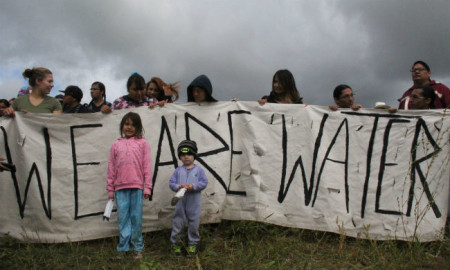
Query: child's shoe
{"points": [[176, 250], [192, 250]]}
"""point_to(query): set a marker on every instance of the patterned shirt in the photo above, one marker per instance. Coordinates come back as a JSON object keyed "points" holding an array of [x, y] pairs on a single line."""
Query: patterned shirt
{"points": [[126, 102]]}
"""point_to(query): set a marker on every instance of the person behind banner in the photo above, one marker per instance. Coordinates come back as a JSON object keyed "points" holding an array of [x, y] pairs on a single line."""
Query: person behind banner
{"points": [[421, 76], [200, 90], [72, 100], [188, 208], [129, 180], [136, 94], [160, 93], [4, 104], [284, 90], [344, 98], [422, 98], [38, 101], [98, 102]]}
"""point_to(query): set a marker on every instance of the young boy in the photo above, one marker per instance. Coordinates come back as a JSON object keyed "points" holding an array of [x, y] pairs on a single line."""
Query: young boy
{"points": [[188, 208]]}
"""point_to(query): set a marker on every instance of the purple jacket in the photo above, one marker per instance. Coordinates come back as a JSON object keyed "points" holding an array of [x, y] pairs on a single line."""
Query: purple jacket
{"points": [[129, 166]]}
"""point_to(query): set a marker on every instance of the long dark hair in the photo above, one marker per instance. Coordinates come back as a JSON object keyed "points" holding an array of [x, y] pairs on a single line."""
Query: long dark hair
{"points": [[102, 88], [137, 123], [287, 81], [137, 79]]}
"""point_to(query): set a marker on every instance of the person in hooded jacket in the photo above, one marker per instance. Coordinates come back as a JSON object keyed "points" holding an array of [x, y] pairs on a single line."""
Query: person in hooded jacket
{"points": [[200, 90]]}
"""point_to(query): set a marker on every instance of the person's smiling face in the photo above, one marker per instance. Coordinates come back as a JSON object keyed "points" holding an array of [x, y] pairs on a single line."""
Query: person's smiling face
{"points": [[128, 129]]}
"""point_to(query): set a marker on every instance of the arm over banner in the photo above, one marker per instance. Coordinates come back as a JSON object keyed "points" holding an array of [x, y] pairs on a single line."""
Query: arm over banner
{"points": [[366, 173]]}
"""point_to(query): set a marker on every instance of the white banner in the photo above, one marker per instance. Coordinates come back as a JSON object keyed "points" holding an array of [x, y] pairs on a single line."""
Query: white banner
{"points": [[365, 174]]}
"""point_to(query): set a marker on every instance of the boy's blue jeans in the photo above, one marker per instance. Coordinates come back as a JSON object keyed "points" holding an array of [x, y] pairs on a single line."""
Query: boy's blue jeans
{"points": [[129, 218]]}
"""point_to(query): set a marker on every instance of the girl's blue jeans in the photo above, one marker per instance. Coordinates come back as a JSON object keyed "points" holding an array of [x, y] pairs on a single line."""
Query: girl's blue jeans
{"points": [[129, 218]]}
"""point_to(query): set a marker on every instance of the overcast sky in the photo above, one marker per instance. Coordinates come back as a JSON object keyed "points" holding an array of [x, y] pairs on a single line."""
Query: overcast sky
{"points": [[238, 44]]}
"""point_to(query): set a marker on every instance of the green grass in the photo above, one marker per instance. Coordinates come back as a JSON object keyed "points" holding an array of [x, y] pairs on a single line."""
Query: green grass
{"points": [[234, 245]]}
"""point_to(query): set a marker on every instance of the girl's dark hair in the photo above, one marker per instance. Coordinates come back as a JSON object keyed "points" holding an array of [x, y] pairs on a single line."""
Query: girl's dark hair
{"points": [[34, 74], [5, 102], [338, 90], [137, 123], [287, 81], [102, 88], [137, 79]]}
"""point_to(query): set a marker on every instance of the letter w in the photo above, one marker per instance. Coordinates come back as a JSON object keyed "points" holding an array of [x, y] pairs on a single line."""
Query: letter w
{"points": [[34, 170]]}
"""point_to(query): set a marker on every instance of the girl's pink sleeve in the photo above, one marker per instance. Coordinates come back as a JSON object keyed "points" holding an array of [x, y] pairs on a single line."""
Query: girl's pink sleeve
{"points": [[111, 176], [147, 167]]}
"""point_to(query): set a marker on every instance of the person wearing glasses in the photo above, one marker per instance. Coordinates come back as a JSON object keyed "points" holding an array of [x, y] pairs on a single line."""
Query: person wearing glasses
{"points": [[98, 102], [344, 98], [422, 98], [421, 73]]}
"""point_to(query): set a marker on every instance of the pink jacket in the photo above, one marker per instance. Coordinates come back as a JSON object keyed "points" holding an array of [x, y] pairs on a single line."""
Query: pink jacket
{"points": [[129, 166]]}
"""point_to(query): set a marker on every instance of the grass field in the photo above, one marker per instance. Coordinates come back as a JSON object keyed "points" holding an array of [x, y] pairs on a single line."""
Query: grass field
{"points": [[234, 245]]}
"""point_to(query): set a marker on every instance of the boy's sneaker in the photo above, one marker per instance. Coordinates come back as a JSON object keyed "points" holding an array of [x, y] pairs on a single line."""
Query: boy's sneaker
{"points": [[192, 250], [176, 250]]}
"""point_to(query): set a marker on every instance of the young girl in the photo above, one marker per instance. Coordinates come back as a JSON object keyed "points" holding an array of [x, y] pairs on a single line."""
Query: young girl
{"points": [[130, 175], [283, 89], [136, 94], [38, 101]]}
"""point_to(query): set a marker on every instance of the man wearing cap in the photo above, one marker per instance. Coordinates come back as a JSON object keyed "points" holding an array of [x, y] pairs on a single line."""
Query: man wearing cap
{"points": [[71, 101], [420, 73]]}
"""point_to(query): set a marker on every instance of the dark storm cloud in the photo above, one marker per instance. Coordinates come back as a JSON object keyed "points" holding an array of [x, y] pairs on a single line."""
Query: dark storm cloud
{"points": [[238, 44]]}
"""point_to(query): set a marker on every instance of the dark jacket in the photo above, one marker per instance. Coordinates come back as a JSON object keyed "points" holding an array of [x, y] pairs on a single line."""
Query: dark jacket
{"points": [[203, 82], [80, 108]]}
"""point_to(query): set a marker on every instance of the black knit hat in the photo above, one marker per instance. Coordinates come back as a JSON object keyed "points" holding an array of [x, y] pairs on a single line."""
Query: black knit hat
{"points": [[187, 147]]}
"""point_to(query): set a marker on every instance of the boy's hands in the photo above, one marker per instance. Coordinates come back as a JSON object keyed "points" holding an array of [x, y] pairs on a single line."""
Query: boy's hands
{"points": [[189, 187], [146, 196]]}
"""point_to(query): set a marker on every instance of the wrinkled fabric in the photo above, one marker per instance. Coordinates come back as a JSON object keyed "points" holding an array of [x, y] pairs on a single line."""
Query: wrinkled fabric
{"points": [[129, 218]]}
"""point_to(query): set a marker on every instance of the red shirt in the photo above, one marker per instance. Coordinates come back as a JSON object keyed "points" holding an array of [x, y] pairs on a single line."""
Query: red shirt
{"points": [[442, 100]]}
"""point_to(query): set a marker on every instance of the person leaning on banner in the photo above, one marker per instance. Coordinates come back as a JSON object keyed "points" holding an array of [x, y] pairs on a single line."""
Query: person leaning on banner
{"points": [[71, 101], [344, 98], [420, 73], [4, 104], [284, 90], [200, 90], [38, 101], [136, 94], [421, 98], [98, 102]]}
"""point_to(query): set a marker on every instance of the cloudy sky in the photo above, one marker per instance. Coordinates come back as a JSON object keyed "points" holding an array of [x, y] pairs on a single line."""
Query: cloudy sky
{"points": [[238, 44]]}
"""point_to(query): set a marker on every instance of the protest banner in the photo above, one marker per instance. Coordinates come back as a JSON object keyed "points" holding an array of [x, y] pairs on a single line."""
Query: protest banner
{"points": [[363, 173]]}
